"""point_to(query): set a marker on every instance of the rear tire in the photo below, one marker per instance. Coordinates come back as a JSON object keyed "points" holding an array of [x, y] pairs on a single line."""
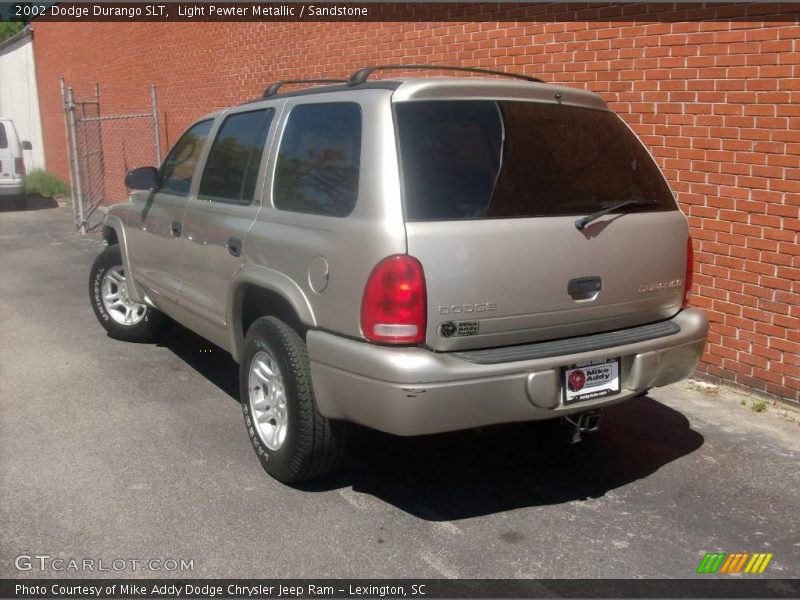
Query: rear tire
{"points": [[122, 318], [293, 441]]}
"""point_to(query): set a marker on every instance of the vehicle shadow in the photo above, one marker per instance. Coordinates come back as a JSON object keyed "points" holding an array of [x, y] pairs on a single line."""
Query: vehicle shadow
{"points": [[466, 474], [28, 203], [494, 469], [212, 362]]}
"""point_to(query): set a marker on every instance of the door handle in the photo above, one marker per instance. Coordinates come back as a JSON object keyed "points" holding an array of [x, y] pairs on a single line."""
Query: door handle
{"points": [[176, 229], [234, 246]]}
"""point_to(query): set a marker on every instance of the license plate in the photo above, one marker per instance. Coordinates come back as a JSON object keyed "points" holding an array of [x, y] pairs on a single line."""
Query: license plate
{"points": [[591, 379]]}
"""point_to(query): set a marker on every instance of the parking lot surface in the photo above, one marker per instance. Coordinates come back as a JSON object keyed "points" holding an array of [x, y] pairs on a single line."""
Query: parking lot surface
{"points": [[136, 451]]}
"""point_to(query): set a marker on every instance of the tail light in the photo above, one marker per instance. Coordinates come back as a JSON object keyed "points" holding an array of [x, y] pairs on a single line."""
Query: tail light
{"points": [[687, 281], [394, 304], [19, 166]]}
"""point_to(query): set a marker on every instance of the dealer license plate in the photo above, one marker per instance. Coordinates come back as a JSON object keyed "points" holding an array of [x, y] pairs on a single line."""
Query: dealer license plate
{"points": [[591, 379]]}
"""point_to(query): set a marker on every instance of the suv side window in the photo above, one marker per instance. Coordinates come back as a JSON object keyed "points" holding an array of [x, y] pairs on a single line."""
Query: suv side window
{"points": [[178, 168], [318, 160], [3, 137], [232, 165]]}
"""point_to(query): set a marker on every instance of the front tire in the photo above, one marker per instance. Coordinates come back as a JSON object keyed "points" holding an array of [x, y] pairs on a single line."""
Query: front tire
{"points": [[120, 316], [293, 441]]}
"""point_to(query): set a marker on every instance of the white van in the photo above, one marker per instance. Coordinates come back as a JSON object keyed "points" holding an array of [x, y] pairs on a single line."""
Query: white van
{"points": [[12, 165]]}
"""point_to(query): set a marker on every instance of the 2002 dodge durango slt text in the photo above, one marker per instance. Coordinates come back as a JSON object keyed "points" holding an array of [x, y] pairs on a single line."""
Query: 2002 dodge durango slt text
{"points": [[415, 255]]}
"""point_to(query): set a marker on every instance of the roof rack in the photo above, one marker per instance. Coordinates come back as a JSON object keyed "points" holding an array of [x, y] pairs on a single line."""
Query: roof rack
{"points": [[273, 88], [362, 75]]}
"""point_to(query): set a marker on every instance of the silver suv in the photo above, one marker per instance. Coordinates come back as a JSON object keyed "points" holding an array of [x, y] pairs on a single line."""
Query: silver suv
{"points": [[414, 255]]}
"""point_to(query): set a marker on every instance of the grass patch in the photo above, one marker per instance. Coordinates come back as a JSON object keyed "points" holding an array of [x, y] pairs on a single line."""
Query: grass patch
{"points": [[44, 183], [759, 406]]}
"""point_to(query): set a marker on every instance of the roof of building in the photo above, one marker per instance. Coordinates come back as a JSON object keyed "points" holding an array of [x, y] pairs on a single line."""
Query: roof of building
{"points": [[26, 32]]}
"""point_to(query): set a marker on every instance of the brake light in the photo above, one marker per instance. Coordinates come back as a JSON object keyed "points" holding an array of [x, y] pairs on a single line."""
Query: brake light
{"points": [[394, 304], [687, 285], [19, 166]]}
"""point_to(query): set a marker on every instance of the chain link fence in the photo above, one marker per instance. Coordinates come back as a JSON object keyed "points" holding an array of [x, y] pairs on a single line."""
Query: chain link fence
{"points": [[104, 140]]}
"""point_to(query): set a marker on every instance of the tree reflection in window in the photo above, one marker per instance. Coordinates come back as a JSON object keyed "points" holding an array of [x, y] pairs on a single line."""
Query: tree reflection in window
{"points": [[178, 168], [318, 162], [234, 159]]}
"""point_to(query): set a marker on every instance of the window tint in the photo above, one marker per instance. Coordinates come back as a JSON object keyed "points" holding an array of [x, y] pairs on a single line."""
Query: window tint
{"points": [[232, 165], [483, 160], [318, 160], [3, 137], [178, 168]]}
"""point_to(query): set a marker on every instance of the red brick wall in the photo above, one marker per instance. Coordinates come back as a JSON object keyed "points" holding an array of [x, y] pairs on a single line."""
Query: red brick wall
{"points": [[717, 101]]}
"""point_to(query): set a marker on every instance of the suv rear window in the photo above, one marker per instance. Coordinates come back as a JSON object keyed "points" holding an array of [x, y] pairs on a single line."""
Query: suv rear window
{"points": [[499, 159], [3, 137], [318, 161]]}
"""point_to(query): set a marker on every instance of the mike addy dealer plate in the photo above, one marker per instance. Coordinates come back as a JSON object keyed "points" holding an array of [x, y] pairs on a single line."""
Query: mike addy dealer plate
{"points": [[591, 379]]}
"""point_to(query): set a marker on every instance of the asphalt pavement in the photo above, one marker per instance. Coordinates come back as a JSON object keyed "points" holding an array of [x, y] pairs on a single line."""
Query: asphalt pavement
{"points": [[112, 450]]}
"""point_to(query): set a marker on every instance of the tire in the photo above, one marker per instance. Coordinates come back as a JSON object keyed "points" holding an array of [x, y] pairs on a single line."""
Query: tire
{"points": [[291, 439], [145, 323]]}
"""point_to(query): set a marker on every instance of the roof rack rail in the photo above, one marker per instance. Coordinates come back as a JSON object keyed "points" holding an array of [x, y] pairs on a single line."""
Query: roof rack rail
{"points": [[273, 88], [363, 74]]}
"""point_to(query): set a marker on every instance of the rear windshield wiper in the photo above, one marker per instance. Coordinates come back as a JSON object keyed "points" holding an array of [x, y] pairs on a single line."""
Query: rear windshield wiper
{"points": [[584, 221]]}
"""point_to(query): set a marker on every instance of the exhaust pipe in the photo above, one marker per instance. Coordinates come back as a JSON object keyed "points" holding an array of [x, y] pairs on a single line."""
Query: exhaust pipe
{"points": [[584, 422], [589, 421]]}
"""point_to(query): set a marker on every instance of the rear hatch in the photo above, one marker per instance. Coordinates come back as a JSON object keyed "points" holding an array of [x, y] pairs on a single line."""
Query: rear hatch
{"points": [[492, 190]]}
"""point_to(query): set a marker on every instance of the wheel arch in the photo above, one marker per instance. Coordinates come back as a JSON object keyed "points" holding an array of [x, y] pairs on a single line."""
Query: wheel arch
{"points": [[258, 292], [110, 235], [114, 233]]}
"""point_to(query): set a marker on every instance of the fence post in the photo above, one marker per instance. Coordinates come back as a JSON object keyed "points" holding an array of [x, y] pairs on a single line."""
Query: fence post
{"points": [[83, 160], [74, 137], [70, 155], [156, 134], [101, 147]]}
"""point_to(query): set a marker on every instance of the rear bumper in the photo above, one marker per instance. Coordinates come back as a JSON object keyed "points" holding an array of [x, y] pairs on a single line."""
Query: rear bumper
{"points": [[12, 187], [413, 391]]}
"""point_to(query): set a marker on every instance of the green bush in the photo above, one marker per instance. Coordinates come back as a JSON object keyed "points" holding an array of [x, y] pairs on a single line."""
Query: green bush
{"points": [[44, 183]]}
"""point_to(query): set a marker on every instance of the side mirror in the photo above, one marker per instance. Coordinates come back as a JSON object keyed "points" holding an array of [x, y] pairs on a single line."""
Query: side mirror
{"points": [[142, 178], [26, 145]]}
